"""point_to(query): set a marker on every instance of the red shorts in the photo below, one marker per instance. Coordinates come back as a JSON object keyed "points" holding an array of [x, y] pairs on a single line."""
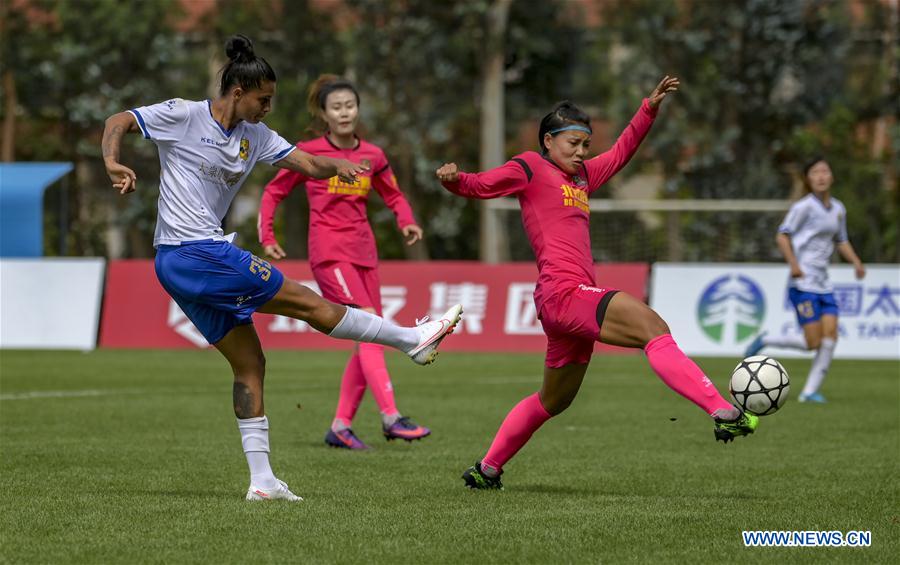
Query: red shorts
{"points": [[571, 320], [349, 284]]}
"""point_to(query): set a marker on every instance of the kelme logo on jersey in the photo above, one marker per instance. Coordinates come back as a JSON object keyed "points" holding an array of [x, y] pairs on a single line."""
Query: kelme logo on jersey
{"points": [[731, 309], [245, 148]]}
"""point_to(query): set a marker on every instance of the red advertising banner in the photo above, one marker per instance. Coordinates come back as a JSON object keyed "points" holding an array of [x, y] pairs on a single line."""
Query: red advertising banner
{"points": [[499, 312]]}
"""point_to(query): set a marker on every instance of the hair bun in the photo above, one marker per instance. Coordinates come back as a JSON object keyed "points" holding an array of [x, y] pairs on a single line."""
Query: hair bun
{"points": [[239, 47]]}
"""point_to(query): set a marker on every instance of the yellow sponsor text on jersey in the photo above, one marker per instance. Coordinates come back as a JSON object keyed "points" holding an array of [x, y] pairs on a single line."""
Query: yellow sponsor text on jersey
{"points": [[361, 187], [575, 197]]}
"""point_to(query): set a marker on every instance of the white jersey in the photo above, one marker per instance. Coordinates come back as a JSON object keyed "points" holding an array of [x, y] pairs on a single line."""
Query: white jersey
{"points": [[814, 229], [202, 166]]}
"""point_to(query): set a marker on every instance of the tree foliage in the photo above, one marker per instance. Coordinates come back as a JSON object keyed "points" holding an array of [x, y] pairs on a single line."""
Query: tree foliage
{"points": [[765, 83]]}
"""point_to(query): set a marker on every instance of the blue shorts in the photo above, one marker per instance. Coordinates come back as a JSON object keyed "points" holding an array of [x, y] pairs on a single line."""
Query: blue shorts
{"points": [[810, 306], [217, 285]]}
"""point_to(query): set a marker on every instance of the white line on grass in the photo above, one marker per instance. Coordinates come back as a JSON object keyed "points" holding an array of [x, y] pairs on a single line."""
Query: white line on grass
{"points": [[89, 393], [37, 394]]}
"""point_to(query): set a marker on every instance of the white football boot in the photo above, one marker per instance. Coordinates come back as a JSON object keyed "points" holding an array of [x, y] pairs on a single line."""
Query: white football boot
{"points": [[431, 333], [280, 492]]}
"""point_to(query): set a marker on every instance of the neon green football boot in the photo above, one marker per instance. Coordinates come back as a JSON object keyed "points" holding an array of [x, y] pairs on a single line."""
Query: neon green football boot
{"points": [[475, 478], [744, 425]]}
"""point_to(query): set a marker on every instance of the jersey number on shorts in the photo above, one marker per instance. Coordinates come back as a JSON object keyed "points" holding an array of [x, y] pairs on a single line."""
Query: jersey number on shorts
{"points": [[805, 309], [261, 268]]}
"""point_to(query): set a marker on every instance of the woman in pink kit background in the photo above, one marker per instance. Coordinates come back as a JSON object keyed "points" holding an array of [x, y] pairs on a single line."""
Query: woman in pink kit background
{"points": [[553, 187], [342, 252]]}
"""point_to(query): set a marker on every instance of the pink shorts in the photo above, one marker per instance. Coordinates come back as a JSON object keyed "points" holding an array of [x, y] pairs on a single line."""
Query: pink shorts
{"points": [[571, 320], [349, 284]]}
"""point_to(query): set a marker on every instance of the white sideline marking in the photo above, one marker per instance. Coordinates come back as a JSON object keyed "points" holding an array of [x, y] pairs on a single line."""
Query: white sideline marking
{"points": [[36, 394]]}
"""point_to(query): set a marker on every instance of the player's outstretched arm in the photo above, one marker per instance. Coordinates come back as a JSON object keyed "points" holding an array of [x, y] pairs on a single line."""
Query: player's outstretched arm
{"points": [[123, 179], [602, 167], [666, 86], [273, 194], [504, 180], [783, 241], [319, 167], [448, 172], [845, 248]]}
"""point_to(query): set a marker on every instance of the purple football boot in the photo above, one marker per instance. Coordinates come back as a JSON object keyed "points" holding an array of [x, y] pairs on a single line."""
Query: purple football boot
{"points": [[344, 439], [404, 428]]}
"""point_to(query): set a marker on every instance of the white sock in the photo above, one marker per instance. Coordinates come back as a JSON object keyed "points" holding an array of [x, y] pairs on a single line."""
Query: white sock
{"points": [[820, 365], [727, 414], [489, 471], [255, 438], [339, 425], [360, 325], [786, 341], [389, 420]]}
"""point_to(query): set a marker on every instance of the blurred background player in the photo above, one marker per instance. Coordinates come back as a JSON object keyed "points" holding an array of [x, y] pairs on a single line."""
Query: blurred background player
{"points": [[342, 251], [807, 238], [206, 151], [553, 188]]}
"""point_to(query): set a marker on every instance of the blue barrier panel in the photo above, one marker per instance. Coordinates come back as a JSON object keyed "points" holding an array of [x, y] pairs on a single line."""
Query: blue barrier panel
{"points": [[22, 188]]}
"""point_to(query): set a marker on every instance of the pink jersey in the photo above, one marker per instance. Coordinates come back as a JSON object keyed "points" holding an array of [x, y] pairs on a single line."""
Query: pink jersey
{"points": [[339, 227], [555, 208]]}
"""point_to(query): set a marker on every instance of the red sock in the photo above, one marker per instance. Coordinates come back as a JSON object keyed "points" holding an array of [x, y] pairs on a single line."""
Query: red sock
{"points": [[683, 375], [353, 386], [371, 358], [521, 422]]}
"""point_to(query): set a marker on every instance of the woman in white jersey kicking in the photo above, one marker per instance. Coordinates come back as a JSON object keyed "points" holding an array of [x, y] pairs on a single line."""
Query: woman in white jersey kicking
{"points": [[807, 239], [206, 151]]}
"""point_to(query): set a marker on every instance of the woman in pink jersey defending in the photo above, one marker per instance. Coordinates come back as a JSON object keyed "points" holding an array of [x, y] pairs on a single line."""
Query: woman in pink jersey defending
{"points": [[342, 250], [553, 187]]}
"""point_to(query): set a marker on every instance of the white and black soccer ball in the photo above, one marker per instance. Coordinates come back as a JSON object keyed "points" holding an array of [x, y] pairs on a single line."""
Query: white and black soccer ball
{"points": [[759, 385]]}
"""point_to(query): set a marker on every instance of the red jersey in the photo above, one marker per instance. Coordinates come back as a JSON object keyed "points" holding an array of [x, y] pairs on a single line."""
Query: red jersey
{"points": [[339, 227], [555, 208]]}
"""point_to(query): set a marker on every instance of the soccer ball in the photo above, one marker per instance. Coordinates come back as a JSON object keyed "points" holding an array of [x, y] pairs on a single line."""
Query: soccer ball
{"points": [[759, 385]]}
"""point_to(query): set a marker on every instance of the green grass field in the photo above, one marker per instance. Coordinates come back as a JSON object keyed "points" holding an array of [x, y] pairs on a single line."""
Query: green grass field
{"points": [[134, 457]]}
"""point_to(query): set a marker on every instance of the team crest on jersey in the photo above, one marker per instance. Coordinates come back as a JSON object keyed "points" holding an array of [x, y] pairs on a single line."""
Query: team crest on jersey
{"points": [[366, 163], [245, 148], [578, 181]]}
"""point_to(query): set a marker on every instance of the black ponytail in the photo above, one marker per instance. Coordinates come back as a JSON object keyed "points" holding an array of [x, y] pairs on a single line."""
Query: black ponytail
{"points": [[244, 68], [563, 114]]}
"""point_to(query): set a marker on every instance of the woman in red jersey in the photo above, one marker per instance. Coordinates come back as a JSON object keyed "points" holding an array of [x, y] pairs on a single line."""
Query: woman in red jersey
{"points": [[342, 250], [553, 187]]}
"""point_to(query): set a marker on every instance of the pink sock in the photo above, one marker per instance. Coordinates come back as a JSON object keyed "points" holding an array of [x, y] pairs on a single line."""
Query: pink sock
{"points": [[521, 422], [684, 376], [353, 386], [371, 358]]}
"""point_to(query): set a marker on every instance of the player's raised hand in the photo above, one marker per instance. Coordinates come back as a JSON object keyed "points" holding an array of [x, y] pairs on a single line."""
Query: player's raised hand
{"points": [[123, 179], [666, 85], [449, 172], [348, 171], [412, 233], [274, 251]]}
